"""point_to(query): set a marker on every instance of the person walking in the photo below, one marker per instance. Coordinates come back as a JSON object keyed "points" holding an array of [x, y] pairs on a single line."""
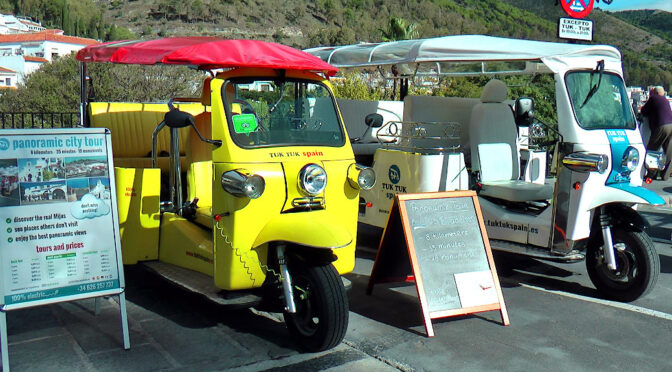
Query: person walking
{"points": [[659, 114]]}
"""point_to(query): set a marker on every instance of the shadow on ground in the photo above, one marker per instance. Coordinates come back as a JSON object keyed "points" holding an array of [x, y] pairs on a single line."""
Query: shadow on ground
{"points": [[192, 310]]}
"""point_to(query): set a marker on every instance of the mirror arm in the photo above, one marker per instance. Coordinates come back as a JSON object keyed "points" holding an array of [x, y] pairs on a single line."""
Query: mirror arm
{"points": [[217, 143]]}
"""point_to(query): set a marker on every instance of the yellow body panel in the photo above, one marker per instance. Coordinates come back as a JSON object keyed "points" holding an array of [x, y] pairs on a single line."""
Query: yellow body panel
{"points": [[234, 252], [139, 217], [185, 244], [249, 224]]}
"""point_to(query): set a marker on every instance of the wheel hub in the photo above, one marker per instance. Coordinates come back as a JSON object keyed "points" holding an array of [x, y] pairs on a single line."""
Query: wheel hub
{"points": [[624, 262]]}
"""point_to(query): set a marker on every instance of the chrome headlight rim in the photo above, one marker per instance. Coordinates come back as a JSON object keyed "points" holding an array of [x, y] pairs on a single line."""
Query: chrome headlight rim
{"points": [[312, 179], [655, 159], [366, 178], [361, 177], [630, 159]]}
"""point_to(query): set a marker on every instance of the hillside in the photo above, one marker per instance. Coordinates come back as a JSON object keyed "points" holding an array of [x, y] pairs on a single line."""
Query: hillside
{"points": [[327, 22], [654, 21], [302, 23]]}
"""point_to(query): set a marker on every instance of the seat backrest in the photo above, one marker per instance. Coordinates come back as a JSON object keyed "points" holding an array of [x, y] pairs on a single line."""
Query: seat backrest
{"points": [[492, 121], [354, 112], [132, 125], [442, 109]]}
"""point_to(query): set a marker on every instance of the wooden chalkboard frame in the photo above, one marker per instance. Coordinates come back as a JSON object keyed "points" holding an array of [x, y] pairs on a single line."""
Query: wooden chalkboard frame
{"points": [[386, 254]]}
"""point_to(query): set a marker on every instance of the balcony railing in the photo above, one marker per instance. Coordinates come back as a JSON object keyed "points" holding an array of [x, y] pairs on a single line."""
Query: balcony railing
{"points": [[21, 120]]}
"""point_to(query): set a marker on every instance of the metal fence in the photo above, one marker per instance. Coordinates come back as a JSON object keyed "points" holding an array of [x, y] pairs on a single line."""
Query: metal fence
{"points": [[22, 120]]}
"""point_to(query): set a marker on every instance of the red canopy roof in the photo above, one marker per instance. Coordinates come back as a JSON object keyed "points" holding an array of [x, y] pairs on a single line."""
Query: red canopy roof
{"points": [[206, 53]]}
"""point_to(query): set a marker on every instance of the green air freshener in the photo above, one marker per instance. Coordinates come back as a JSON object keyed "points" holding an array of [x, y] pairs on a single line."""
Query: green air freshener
{"points": [[244, 123]]}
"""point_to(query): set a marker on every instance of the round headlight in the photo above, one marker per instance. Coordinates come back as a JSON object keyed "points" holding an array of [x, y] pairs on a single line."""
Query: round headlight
{"points": [[312, 179], [630, 158], [366, 178]]}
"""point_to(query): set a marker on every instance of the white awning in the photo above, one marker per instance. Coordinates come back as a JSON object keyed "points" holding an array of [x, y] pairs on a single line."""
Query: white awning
{"points": [[467, 48]]}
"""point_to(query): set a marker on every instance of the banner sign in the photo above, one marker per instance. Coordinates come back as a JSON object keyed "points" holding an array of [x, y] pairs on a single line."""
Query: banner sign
{"points": [[575, 29], [59, 237]]}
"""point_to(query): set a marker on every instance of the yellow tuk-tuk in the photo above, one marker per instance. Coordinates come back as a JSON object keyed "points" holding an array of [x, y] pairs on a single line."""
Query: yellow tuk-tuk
{"points": [[250, 193]]}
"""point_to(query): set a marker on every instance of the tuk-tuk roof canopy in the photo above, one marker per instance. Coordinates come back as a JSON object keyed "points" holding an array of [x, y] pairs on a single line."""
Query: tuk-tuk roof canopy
{"points": [[205, 53], [458, 48]]}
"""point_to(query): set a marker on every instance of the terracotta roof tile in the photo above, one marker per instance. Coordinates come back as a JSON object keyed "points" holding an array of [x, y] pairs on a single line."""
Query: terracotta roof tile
{"points": [[46, 35], [34, 59], [2, 69]]}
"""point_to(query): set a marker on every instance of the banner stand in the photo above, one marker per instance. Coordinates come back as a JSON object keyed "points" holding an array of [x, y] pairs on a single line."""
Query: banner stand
{"points": [[3, 340], [59, 226], [124, 320]]}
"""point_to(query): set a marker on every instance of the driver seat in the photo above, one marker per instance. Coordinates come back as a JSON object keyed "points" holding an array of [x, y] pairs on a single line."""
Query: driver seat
{"points": [[493, 136]]}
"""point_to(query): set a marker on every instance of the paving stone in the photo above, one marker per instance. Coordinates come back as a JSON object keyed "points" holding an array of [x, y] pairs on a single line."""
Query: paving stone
{"points": [[45, 354], [139, 358], [31, 323]]}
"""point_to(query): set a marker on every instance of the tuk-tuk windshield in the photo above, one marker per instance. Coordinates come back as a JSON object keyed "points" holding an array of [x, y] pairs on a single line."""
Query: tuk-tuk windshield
{"points": [[600, 102], [288, 112]]}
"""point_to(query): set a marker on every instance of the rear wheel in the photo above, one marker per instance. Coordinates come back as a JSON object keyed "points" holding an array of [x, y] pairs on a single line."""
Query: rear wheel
{"points": [[321, 317], [638, 266]]}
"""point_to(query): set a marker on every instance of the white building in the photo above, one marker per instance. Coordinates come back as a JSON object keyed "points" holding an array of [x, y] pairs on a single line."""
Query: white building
{"points": [[24, 53], [8, 78], [10, 24]]}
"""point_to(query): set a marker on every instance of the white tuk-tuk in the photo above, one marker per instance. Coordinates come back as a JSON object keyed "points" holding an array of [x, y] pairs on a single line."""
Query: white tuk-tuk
{"points": [[578, 207]]}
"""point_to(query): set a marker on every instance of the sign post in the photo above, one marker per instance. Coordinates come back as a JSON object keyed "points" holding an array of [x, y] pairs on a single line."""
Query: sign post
{"points": [[446, 253], [59, 228]]}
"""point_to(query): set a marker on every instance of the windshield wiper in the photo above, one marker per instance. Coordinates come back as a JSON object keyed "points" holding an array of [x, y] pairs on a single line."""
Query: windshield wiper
{"points": [[600, 69]]}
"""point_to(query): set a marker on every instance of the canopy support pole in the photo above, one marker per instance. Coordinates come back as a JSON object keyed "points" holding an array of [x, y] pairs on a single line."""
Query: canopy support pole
{"points": [[82, 95]]}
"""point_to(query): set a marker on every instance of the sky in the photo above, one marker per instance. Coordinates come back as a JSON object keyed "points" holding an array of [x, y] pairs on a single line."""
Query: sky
{"points": [[617, 5]]}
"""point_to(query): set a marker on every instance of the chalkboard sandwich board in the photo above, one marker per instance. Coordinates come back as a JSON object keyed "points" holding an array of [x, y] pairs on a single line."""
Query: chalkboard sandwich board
{"points": [[446, 250]]}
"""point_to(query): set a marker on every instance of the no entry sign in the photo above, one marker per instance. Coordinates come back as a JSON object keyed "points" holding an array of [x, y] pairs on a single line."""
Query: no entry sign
{"points": [[577, 8]]}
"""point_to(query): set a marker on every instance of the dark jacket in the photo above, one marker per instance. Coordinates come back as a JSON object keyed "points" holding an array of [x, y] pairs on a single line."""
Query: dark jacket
{"points": [[657, 110]]}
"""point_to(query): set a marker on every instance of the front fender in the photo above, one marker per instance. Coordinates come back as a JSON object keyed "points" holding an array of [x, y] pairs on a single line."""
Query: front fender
{"points": [[625, 217], [309, 229]]}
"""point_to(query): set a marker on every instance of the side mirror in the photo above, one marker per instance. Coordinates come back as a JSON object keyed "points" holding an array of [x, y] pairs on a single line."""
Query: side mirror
{"points": [[178, 119], [524, 111], [374, 120]]}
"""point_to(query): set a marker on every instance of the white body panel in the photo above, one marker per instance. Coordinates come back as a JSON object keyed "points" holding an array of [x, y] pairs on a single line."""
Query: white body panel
{"points": [[517, 227], [404, 172]]}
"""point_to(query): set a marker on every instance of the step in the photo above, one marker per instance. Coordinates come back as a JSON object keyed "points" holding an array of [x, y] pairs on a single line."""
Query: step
{"points": [[203, 284]]}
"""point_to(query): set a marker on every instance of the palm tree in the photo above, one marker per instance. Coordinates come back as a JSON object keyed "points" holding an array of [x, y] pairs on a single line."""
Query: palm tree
{"points": [[397, 29]]}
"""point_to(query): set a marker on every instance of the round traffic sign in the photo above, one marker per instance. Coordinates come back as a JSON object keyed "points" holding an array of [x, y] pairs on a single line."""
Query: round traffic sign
{"points": [[577, 8]]}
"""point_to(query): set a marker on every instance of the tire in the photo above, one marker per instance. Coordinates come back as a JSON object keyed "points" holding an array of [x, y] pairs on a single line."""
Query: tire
{"points": [[321, 318], [638, 267]]}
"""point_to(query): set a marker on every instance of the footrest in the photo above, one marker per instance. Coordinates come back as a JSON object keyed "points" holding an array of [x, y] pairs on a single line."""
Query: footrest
{"points": [[202, 284]]}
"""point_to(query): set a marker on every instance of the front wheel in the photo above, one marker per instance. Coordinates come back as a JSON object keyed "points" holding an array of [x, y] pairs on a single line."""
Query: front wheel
{"points": [[638, 266], [322, 311]]}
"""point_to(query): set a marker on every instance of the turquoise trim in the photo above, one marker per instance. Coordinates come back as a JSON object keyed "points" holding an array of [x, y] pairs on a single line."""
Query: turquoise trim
{"points": [[62, 291], [641, 192], [618, 140]]}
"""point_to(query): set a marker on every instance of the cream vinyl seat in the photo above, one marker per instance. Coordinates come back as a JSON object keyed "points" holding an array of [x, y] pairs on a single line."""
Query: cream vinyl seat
{"points": [[495, 154]]}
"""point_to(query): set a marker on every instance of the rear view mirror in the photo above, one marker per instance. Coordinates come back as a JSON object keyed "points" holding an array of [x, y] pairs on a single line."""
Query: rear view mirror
{"points": [[524, 111], [374, 120]]}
